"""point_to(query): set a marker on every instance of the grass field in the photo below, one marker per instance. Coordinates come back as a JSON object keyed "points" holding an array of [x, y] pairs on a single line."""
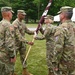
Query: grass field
{"points": [[36, 62], [31, 25]]}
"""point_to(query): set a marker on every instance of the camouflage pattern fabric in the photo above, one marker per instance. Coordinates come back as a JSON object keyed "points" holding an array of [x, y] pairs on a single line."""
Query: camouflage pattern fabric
{"points": [[6, 47], [49, 36], [64, 51], [74, 30], [20, 30]]}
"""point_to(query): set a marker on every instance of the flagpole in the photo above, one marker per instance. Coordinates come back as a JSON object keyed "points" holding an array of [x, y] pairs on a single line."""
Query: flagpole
{"points": [[39, 25]]}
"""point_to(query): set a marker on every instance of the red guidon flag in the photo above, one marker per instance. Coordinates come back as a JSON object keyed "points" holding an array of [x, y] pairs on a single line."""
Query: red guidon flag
{"points": [[43, 15]]}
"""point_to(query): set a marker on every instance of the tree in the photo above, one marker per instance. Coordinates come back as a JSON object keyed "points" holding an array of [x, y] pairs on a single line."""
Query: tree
{"points": [[35, 8]]}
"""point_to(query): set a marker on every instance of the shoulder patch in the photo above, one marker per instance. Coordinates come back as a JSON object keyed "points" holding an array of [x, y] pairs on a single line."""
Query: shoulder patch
{"points": [[59, 31]]}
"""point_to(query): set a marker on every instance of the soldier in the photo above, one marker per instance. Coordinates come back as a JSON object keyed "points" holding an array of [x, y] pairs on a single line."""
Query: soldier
{"points": [[49, 36], [7, 57], [20, 30], [64, 53]]}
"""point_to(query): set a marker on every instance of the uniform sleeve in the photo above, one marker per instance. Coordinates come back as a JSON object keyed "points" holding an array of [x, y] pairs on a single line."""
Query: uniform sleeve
{"points": [[59, 44], [40, 37], [47, 32], [42, 30], [18, 34], [16, 31], [9, 41], [28, 31]]}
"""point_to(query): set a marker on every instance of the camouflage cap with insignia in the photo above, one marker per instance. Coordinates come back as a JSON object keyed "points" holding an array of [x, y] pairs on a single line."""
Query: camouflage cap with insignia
{"points": [[5, 9], [21, 11], [65, 9], [49, 17]]}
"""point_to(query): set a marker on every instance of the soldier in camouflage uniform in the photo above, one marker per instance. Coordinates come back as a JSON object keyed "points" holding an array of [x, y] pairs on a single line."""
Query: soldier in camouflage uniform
{"points": [[74, 31], [64, 52], [49, 36], [7, 57], [20, 30]]}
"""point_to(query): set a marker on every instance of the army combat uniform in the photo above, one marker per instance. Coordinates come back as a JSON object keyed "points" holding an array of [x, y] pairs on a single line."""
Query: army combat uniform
{"points": [[49, 36], [64, 50], [74, 31], [20, 30], [6, 47], [64, 53]]}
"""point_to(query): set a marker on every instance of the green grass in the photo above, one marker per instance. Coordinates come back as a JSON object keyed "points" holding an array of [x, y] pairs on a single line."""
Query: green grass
{"points": [[31, 25], [35, 25], [36, 61]]}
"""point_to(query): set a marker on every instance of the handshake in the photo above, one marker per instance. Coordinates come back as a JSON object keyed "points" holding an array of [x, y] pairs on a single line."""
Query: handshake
{"points": [[35, 37], [31, 43]]}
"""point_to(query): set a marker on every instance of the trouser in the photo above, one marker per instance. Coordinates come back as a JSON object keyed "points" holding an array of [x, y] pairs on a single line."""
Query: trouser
{"points": [[6, 69], [21, 48]]}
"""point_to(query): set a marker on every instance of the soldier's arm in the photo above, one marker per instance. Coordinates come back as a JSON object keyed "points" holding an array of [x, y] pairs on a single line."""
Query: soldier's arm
{"points": [[40, 37], [28, 31], [42, 30], [18, 35], [9, 41], [59, 44], [46, 33]]}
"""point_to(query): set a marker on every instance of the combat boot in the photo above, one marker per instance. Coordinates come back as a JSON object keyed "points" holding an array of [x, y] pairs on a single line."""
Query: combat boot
{"points": [[25, 72]]}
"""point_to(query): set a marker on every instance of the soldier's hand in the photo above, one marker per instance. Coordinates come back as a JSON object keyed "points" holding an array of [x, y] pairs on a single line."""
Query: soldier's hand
{"points": [[35, 34], [30, 43], [36, 38], [13, 60], [56, 69]]}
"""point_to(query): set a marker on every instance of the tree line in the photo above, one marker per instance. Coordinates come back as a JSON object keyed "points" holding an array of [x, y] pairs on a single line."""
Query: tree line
{"points": [[35, 8]]}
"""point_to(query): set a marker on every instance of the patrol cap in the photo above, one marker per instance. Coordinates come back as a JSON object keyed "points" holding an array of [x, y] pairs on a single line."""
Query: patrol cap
{"points": [[49, 17], [5, 9], [21, 11], [65, 9]]}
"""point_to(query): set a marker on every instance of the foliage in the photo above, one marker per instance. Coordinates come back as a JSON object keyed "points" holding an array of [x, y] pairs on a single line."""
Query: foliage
{"points": [[35, 8]]}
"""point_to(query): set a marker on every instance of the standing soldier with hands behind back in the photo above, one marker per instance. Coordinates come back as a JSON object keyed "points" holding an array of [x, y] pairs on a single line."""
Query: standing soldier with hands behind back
{"points": [[20, 30], [64, 52], [7, 57]]}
